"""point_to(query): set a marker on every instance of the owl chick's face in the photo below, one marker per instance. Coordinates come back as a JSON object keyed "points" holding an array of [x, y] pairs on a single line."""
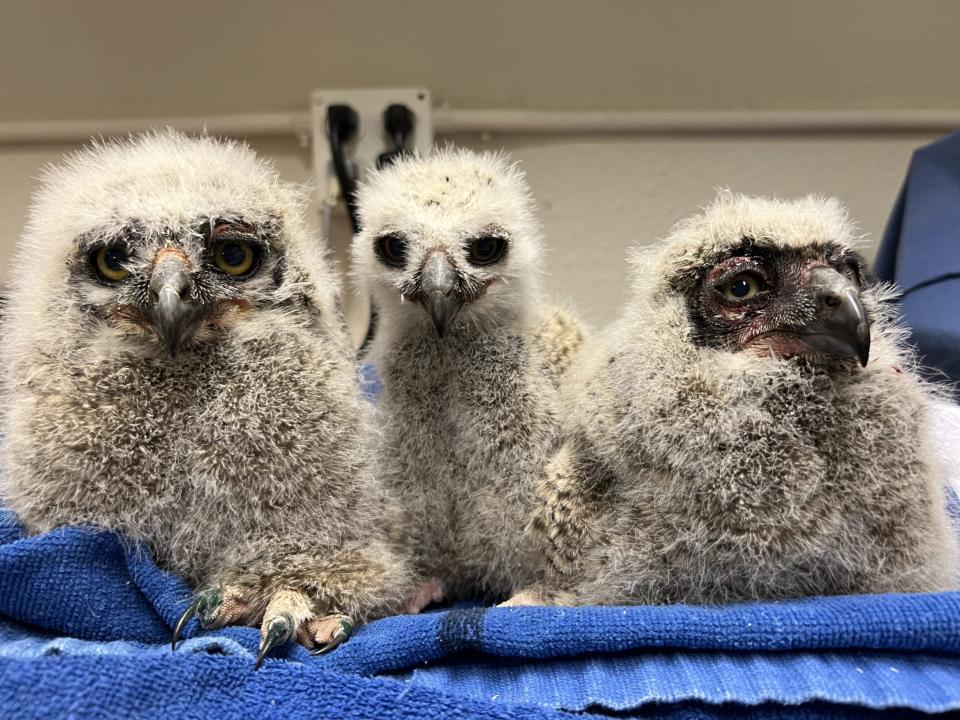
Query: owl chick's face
{"points": [[178, 285], [768, 276], [448, 239], [165, 241], [783, 301]]}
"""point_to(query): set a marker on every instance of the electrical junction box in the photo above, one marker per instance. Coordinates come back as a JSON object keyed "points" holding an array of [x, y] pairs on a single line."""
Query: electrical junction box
{"points": [[371, 139]]}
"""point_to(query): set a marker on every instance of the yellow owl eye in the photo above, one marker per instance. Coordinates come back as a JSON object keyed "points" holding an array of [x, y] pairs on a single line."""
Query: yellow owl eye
{"points": [[742, 287], [234, 257], [109, 263]]}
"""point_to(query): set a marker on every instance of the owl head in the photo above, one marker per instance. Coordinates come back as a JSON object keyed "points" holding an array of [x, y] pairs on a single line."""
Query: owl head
{"points": [[448, 240], [770, 277], [163, 242]]}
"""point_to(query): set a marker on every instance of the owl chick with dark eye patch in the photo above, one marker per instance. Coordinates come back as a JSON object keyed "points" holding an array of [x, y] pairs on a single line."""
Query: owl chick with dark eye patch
{"points": [[752, 427], [175, 368], [471, 357]]}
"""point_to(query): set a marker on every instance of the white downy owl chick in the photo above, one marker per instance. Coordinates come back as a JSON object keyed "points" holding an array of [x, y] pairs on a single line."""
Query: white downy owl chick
{"points": [[470, 356], [175, 368], [752, 427]]}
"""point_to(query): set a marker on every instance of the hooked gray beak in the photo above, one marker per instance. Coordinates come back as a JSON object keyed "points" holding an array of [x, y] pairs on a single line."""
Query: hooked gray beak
{"points": [[840, 327], [438, 291], [175, 317]]}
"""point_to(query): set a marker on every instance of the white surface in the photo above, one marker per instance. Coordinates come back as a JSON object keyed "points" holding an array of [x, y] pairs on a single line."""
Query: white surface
{"points": [[945, 441], [371, 140]]}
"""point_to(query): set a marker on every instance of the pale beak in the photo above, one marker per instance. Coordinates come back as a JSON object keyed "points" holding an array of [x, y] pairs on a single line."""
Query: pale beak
{"points": [[175, 316], [439, 293]]}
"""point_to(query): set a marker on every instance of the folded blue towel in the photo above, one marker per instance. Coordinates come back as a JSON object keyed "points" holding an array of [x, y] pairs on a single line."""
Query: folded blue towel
{"points": [[86, 623]]}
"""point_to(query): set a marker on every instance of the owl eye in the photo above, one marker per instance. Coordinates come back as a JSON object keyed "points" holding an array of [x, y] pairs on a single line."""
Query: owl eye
{"points": [[235, 257], [392, 250], [487, 250], [109, 263], [742, 287]]}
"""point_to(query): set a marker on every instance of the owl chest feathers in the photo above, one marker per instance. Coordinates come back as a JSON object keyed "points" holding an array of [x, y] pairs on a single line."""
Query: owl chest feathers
{"points": [[470, 422], [764, 464]]}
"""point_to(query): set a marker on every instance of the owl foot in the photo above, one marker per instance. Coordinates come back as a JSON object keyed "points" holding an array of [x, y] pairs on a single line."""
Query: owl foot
{"points": [[524, 598], [288, 615], [430, 592], [327, 632], [216, 607]]}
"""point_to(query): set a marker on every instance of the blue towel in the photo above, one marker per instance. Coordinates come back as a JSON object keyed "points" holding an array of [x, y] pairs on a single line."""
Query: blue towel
{"points": [[921, 253], [85, 626]]}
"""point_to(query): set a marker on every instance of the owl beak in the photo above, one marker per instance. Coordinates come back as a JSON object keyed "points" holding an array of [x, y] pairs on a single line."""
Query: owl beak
{"points": [[840, 326], [438, 291], [175, 317]]}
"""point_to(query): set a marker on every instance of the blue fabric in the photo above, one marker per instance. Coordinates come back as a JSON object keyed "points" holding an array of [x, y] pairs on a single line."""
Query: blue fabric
{"points": [[370, 383], [921, 253], [85, 624]]}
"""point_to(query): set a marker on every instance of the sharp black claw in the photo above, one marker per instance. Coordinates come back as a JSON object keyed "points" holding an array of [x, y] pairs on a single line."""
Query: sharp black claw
{"points": [[184, 619], [279, 632], [339, 637]]}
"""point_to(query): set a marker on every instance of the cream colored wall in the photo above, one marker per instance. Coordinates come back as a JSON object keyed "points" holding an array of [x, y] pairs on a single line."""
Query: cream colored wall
{"points": [[115, 59], [599, 195]]}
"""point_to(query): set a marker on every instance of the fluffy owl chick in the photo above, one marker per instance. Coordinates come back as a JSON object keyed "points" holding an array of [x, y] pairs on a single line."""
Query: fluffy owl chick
{"points": [[175, 368], [470, 357], [752, 427]]}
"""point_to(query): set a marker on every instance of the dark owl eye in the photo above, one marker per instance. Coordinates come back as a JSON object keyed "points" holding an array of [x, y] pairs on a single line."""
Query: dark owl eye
{"points": [[392, 250], [109, 262], [487, 250], [234, 257], [742, 287]]}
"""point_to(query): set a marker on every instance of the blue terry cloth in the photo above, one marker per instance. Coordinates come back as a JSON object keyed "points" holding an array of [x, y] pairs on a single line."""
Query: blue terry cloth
{"points": [[220, 688], [921, 253], [86, 625]]}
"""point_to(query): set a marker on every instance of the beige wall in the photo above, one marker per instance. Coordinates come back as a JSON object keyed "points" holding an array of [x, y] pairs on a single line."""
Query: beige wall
{"points": [[115, 58], [599, 195]]}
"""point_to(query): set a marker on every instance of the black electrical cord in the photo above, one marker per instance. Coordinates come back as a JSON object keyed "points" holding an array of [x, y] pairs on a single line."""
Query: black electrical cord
{"points": [[342, 125]]}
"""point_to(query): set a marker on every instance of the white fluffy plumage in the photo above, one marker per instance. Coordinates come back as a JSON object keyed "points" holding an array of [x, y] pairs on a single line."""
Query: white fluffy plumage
{"points": [[468, 418], [243, 459], [704, 464]]}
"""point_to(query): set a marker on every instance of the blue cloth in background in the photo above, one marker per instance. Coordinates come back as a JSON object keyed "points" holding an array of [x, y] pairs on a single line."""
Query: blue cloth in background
{"points": [[920, 251], [85, 624]]}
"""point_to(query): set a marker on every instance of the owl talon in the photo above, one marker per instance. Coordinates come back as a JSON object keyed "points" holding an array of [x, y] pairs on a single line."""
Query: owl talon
{"points": [[277, 632], [184, 619], [340, 636]]}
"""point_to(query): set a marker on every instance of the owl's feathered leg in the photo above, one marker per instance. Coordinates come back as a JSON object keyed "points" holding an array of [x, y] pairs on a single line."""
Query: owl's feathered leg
{"points": [[295, 591]]}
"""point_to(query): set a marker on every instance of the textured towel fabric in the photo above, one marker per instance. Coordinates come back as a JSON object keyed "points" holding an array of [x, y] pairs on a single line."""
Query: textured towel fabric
{"points": [[921, 253], [88, 624], [219, 688]]}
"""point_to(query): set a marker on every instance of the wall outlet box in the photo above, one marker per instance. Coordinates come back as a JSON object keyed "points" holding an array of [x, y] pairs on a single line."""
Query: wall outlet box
{"points": [[371, 139]]}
